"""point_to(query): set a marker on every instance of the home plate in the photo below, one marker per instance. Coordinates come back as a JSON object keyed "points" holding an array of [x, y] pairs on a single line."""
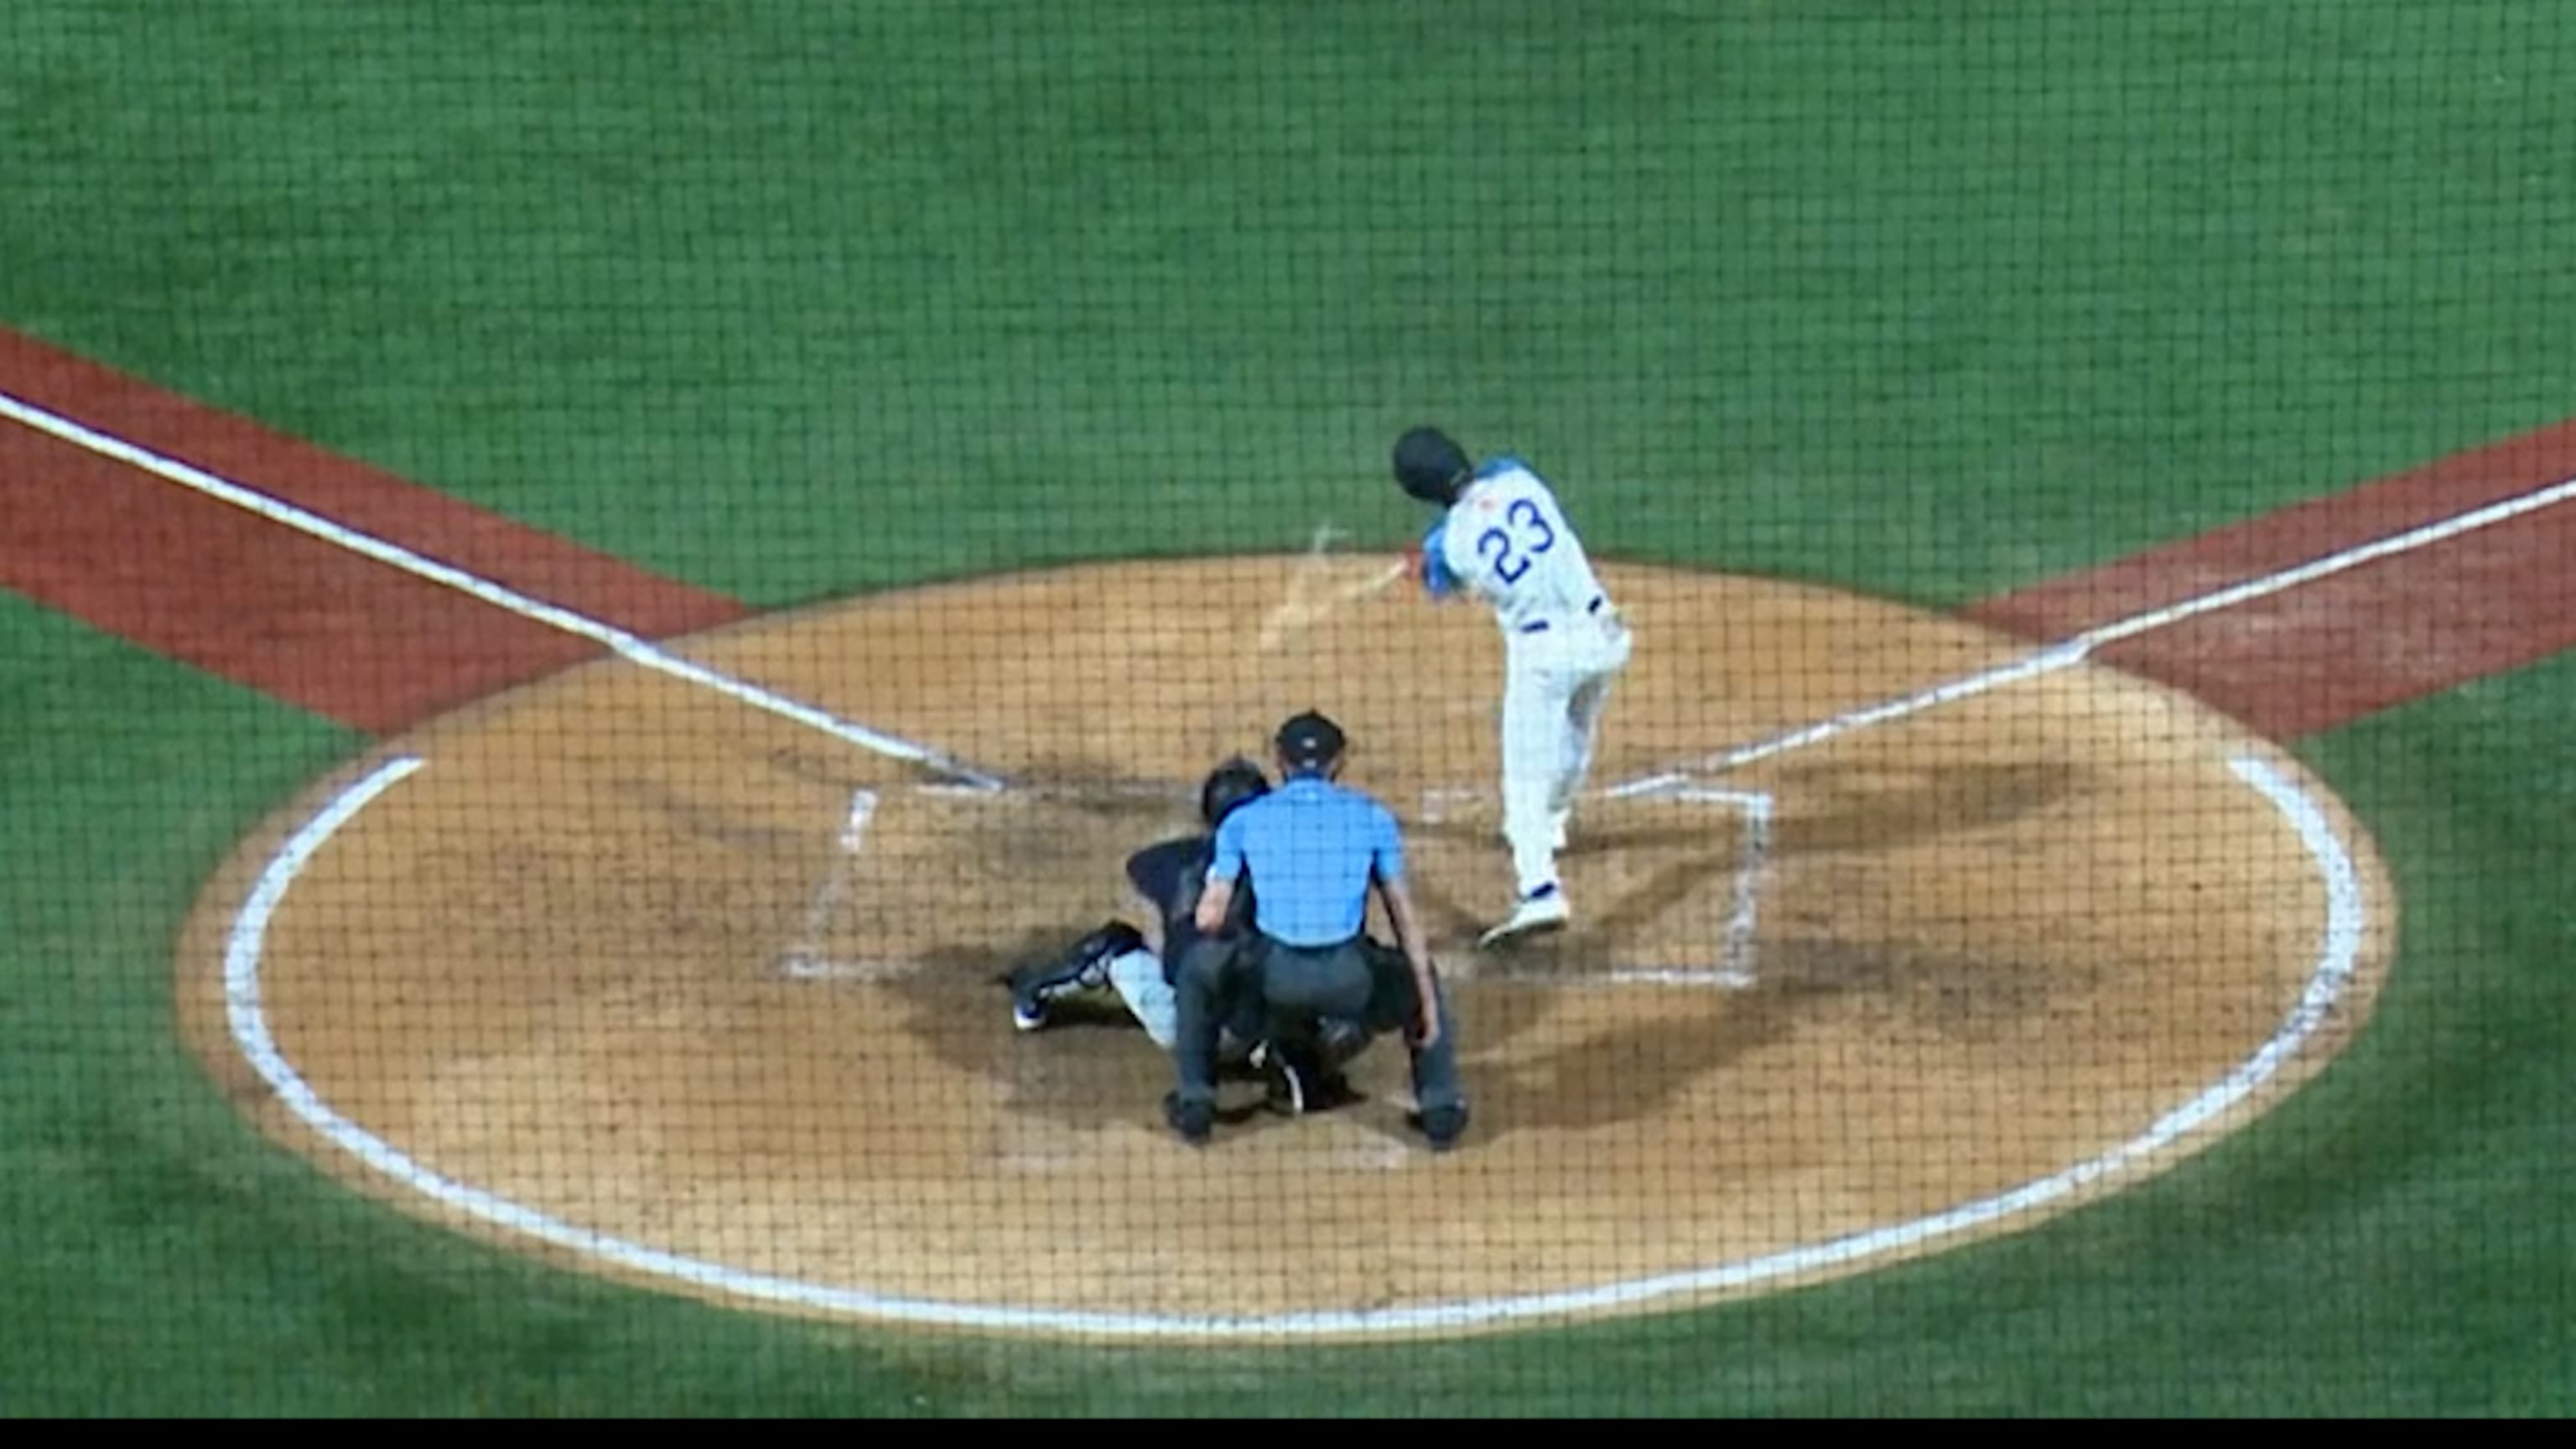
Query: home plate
{"points": [[816, 968]]}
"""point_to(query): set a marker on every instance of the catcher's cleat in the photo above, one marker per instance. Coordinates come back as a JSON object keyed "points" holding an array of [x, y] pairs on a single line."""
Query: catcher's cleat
{"points": [[1084, 968], [1287, 1078], [1286, 1083], [1297, 1082], [1543, 909], [1341, 1041]]}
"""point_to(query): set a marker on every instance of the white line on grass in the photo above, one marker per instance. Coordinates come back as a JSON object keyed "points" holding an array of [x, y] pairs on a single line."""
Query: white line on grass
{"points": [[632, 647], [2334, 563], [2073, 651], [2338, 954]]}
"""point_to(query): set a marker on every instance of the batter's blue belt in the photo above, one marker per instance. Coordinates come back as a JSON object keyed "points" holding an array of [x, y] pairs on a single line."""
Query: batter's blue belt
{"points": [[1540, 626]]}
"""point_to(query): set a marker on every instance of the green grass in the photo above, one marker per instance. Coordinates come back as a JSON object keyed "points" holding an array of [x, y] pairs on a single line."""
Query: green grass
{"points": [[832, 295], [794, 300]]}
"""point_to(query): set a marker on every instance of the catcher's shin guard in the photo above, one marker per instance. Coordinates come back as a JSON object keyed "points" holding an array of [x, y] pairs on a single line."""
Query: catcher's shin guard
{"points": [[1084, 968]]}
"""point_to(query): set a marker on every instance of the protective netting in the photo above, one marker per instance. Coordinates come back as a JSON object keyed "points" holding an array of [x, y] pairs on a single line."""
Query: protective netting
{"points": [[870, 707]]}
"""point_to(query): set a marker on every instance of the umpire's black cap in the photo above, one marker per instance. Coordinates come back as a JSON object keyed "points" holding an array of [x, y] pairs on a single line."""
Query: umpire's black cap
{"points": [[1310, 742]]}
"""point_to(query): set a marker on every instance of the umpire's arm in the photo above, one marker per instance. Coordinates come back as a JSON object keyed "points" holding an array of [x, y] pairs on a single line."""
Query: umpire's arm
{"points": [[1214, 902], [1225, 865]]}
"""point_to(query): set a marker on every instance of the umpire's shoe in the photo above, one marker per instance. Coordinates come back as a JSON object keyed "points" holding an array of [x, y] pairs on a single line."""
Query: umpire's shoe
{"points": [[1443, 1126], [1084, 968], [1192, 1120]]}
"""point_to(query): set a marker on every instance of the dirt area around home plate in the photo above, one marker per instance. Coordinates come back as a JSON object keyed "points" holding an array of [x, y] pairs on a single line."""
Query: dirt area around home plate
{"points": [[663, 987]]}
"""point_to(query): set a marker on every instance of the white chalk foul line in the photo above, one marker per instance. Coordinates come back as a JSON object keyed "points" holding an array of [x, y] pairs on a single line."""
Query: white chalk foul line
{"points": [[2338, 956], [2046, 661], [629, 646], [2073, 651], [2333, 563]]}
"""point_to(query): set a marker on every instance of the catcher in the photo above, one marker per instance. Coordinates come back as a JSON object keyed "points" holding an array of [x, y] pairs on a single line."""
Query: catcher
{"points": [[1116, 959]]}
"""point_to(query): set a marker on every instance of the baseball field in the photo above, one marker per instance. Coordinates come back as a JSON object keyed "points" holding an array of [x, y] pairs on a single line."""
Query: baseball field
{"points": [[579, 580]]}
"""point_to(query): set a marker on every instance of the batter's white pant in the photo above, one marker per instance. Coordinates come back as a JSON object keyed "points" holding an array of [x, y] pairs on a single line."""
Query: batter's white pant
{"points": [[1556, 685]]}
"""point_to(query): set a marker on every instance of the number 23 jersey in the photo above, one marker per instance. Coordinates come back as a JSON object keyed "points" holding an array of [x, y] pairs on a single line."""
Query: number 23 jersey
{"points": [[1507, 541]]}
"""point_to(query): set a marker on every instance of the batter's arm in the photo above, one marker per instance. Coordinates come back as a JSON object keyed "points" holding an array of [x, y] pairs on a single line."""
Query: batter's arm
{"points": [[1428, 562]]}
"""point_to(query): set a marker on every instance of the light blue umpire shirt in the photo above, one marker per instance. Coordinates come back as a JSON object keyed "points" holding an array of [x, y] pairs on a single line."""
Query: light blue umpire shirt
{"points": [[1313, 845]]}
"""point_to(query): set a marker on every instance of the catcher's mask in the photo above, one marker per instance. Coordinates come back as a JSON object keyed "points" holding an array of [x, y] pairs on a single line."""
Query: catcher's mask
{"points": [[1236, 782], [1430, 466]]}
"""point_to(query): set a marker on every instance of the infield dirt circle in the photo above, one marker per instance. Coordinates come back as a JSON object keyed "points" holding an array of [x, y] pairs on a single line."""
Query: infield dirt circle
{"points": [[663, 986]]}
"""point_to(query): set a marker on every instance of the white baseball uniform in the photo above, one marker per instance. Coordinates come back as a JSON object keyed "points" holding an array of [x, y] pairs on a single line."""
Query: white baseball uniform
{"points": [[1507, 541], [1137, 977]]}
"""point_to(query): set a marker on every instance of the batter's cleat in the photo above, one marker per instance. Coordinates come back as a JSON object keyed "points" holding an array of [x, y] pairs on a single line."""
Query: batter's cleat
{"points": [[1443, 1126], [1193, 1121], [1084, 968], [1543, 909]]}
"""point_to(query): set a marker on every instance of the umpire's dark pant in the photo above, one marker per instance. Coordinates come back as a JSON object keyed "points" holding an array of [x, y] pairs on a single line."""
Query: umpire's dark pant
{"points": [[1298, 987]]}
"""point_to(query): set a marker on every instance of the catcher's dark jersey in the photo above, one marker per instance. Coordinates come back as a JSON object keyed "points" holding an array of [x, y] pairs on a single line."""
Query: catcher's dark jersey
{"points": [[1171, 874]]}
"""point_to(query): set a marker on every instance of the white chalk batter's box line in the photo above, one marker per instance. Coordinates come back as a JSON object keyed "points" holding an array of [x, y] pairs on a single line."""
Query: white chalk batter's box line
{"points": [[1734, 969], [1735, 966]]}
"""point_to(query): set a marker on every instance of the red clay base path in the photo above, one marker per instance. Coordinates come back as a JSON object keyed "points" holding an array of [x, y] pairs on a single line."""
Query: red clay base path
{"points": [[299, 618], [319, 627]]}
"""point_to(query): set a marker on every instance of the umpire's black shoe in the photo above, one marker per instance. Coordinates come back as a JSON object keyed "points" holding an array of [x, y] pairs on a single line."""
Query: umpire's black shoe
{"points": [[1443, 1126], [1192, 1120]]}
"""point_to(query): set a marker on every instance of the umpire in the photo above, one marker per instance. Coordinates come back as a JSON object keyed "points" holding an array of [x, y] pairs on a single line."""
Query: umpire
{"points": [[1316, 847]]}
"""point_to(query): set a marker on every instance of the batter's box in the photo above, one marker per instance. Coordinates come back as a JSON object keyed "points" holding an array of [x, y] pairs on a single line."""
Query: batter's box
{"points": [[1667, 884]]}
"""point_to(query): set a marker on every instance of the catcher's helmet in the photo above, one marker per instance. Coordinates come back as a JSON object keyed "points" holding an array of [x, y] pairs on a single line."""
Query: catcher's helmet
{"points": [[1430, 466], [1236, 782], [1310, 742]]}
